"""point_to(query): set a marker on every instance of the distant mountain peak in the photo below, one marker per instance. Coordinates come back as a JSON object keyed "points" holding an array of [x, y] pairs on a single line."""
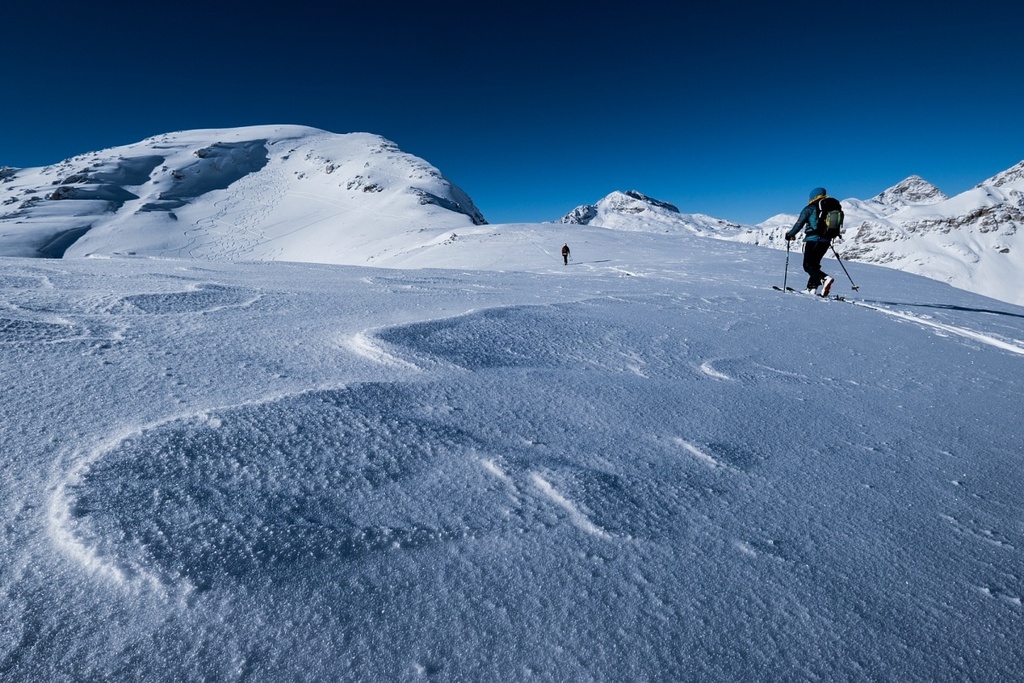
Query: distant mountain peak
{"points": [[912, 190], [581, 215], [628, 202], [632, 211], [644, 199], [1010, 175]]}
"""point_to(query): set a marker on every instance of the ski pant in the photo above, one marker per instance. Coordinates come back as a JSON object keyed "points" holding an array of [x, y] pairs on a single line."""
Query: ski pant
{"points": [[813, 253]]}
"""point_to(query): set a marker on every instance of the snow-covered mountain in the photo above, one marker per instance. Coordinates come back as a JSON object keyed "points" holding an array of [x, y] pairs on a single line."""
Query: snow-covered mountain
{"points": [[974, 240], [295, 193], [636, 212], [257, 193]]}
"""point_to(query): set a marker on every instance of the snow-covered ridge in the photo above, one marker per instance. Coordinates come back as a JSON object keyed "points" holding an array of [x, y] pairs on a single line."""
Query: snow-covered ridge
{"points": [[1010, 175], [261, 192]]}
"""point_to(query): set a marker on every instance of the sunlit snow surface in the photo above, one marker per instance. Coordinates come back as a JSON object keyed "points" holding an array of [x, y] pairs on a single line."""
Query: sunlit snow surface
{"points": [[631, 468]]}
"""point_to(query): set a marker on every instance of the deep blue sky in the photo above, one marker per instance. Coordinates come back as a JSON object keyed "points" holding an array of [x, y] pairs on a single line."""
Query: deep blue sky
{"points": [[734, 109]]}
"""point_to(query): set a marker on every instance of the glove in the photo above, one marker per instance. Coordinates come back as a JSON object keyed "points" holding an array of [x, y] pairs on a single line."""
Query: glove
{"points": [[790, 238]]}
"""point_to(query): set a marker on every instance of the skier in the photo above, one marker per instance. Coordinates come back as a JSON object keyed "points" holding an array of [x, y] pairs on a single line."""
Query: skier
{"points": [[816, 244], [565, 254]]}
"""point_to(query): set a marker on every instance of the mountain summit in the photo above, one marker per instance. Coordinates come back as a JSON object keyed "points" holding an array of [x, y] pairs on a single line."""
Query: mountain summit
{"points": [[256, 193], [913, 190], [634, 211]]}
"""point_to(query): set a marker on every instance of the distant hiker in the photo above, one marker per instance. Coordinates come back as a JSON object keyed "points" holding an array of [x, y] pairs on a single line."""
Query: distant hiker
{"points": [[565, 254], [822, 218]]}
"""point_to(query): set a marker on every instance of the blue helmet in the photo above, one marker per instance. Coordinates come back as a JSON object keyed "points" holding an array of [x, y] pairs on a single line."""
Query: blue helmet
{"points": [[817, 192]]}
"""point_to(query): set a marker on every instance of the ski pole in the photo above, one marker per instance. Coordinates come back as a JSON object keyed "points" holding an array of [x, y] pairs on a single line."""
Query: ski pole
{"points": [[855, 287], [785, 276]]}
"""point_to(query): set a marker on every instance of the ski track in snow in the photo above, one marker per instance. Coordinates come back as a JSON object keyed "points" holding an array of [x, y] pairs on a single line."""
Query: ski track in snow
{"points": [[943, 327]]}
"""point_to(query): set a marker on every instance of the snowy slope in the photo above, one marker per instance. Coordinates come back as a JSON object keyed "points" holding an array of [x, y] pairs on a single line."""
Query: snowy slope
{"points": [[644, 466], [974, 240], [258, 193]]}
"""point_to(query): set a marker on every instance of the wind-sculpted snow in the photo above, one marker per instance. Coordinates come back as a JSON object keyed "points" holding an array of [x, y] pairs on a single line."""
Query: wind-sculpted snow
{"points": [[645, 466], [14, 330], [199, 298], [518, 337], [274, 492], [215, 168]]}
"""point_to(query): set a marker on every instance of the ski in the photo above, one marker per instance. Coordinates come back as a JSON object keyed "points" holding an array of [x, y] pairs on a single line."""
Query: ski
{"points": [[830, 297]]}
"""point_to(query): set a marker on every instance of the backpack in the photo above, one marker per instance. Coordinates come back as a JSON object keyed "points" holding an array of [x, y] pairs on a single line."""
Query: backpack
{"points": [[830, 218]]}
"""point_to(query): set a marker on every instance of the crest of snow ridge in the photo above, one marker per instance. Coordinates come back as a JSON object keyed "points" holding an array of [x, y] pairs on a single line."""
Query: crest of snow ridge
{"points": [[629, 202]]}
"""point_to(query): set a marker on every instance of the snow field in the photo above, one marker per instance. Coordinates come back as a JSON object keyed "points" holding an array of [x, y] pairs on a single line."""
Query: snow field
{"points": [[631, 469]]}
